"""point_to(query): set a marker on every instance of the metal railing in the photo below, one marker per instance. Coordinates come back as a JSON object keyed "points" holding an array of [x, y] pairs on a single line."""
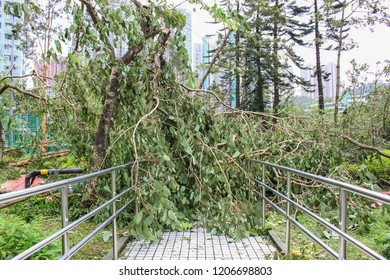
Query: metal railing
{"points": [[68, 252], [344, 188]]}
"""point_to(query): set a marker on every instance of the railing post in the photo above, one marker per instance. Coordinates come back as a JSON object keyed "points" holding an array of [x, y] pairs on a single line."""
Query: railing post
{"points": [[65, 219], [343, 224], [288, 214], [114, 227], [263, 204]]}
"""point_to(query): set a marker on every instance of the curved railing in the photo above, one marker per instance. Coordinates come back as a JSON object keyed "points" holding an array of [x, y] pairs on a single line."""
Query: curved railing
{"points": [[345, 188], [66, 226], [68, 252]]}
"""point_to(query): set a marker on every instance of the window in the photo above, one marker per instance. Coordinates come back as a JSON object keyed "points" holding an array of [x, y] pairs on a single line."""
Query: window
{"points": [[7, 47], [7, 24], [8, 36]]}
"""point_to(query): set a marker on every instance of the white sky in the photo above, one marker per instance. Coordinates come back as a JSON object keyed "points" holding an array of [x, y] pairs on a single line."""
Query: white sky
{"points": [[372, 46]]}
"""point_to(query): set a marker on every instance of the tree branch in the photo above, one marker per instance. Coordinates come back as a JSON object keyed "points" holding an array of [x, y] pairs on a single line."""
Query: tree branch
{"points": [[128, 56], [96, 20], [234, 110], [16, 77], [366, 147], [214, 59], [8, 85]]}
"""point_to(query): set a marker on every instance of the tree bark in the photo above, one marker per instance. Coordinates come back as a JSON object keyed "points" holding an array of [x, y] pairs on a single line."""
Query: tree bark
{"points": [[366, 147], [47, 40], [237, 42], [275, 60], [338, 69], [12, 86], [2, 140], [321, 103], [260, 81], [102, 134]]}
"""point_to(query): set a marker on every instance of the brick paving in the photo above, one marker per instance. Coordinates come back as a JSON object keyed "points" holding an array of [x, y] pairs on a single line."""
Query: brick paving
{"points": [[199, 245]]}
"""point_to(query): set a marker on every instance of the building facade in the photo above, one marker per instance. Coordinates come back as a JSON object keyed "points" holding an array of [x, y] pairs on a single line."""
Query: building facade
{"points": [[197, 61], [188, 32], [11, 56], [329, 85]]}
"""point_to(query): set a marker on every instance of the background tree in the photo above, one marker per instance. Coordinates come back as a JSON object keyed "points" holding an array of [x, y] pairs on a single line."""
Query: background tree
{"points": [[341, 15]]}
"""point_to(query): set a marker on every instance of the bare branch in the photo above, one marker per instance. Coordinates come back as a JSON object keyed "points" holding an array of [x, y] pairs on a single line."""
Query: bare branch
{"points": [[234, 110], [16, 77], [214, 59], [366, 147], [8, 85]]}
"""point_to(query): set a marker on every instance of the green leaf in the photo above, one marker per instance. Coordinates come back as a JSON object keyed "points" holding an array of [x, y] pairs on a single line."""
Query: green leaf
{"points": [[236, 154], [107, 189], [186, 147], [169, 161], [148, 221], [58, 46], [138, 218], [106, 235], [326, 234], [172, 215]]}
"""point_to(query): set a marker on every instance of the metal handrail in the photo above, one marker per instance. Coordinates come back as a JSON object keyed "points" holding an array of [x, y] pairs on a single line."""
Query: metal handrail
{"points": [[66, 227], [341, 231], [26, 193]]}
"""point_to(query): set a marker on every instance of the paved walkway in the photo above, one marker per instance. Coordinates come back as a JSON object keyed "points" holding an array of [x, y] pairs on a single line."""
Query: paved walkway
{"points": [[198, 245]]}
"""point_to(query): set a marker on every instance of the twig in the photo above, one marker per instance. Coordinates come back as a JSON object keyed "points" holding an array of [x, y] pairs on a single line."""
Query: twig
{"points": [[214, 59], [136, 160], [8, 85], [234, 110], [366, 147]]}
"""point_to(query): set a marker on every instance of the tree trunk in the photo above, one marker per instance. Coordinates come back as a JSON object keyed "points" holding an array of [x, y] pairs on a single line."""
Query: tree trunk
{"points": [[260, 86], [275, 61], [2, 141], [321, 102], [102, 134], [260, 81], [338, 69], [44, 96], [237, 41], [47, 41]]}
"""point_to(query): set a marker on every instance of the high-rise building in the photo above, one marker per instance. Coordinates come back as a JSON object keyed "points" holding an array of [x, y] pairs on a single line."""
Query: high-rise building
{"points": [[206, 58], [204, 54], [188, 32], [198, 56], [232, 41], [309, 75], [11, 56], [329, 85], [53, 69]]}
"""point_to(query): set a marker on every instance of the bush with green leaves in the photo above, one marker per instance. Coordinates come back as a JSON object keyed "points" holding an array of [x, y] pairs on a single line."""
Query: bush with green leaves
{"points": [[17, 235]]}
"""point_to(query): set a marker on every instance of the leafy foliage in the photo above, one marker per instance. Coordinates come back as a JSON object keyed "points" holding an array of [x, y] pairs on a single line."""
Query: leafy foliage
{"points": [[16, 236], [194, 154]]}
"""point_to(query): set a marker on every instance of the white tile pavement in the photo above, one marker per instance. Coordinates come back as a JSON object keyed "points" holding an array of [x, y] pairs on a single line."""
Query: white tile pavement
{"points": [[198, 245]]}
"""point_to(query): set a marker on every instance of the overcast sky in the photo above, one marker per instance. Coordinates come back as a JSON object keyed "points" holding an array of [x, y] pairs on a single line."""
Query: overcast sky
{"points": [[372, 46]]}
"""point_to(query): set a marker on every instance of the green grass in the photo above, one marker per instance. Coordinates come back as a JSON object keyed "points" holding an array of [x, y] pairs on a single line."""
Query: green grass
{"points": [[374, 237], [24, 224]]}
